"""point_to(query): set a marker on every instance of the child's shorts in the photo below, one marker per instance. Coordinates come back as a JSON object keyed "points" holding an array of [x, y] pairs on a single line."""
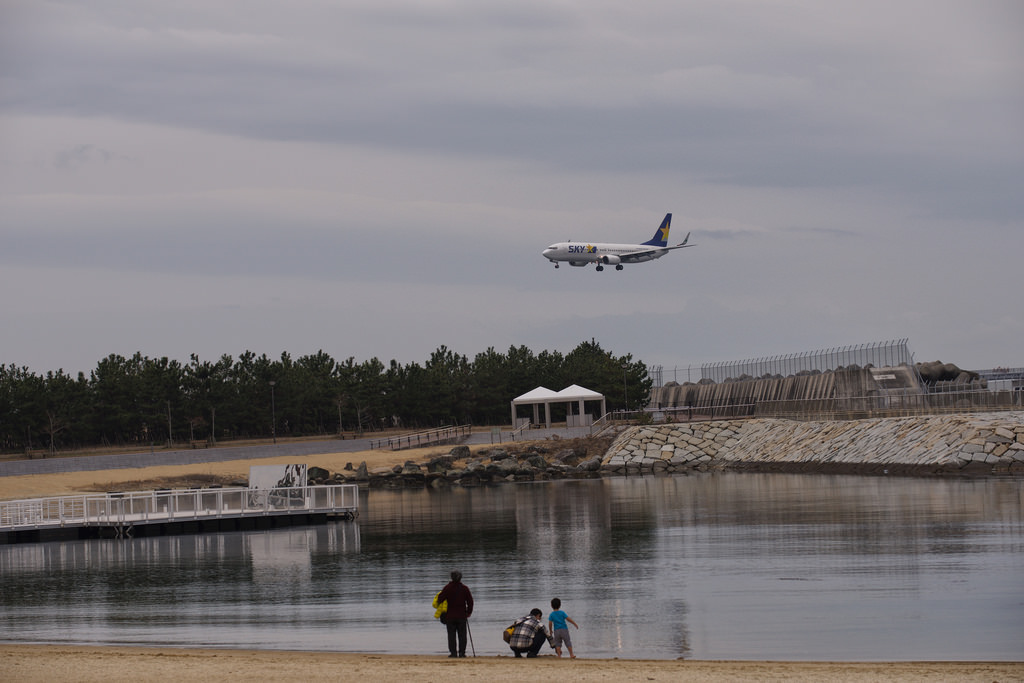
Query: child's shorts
{"points": [[560, 636]]}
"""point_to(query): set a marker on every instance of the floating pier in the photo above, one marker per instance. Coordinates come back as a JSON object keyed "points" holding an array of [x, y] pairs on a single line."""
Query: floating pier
{"points": [[173, 511]]}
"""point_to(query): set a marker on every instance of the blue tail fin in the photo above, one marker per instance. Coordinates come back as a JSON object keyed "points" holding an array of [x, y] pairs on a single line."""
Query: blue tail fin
{"points": [[660, 238]]}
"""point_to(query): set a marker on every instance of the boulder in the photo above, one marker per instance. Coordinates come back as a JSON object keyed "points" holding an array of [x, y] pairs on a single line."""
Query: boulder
{"points": [[413, 479], [317, 474], [567, 456], [441, 463], [507, 466], [537, 462]]}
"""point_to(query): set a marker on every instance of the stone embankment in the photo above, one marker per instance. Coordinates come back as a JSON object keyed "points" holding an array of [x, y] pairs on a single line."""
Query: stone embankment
{"points": [[984, 443], [978, 444], [463, 468]]}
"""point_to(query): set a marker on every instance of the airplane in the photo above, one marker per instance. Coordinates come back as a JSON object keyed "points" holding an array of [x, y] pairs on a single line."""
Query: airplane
{"points": [[581, 253]]}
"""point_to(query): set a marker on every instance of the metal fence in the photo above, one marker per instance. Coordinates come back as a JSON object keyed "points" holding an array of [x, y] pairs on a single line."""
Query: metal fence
{"points": [[878, 354], [843, 408], [430, 437], [892, 404], [678, 374], [150, 507]]}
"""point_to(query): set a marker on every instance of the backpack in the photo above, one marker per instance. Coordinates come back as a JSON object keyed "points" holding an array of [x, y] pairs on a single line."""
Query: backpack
{"points": [[440, 609], [507, 633]]}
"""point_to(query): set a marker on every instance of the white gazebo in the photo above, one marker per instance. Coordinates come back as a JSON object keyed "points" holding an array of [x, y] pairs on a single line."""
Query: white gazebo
{"points": [[574, 394]]}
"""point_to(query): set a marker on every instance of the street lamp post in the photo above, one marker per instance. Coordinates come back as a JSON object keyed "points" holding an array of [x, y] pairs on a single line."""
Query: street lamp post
{"points": [[273, 413], [625, 395]]}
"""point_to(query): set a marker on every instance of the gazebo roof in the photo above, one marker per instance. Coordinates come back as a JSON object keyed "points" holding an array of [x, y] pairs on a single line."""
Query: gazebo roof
{"points": [[575, 392], [537, 395], [571, 393]]}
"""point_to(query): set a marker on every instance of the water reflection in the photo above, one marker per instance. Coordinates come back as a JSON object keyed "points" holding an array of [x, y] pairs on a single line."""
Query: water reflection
{"points": [[718, 566]]}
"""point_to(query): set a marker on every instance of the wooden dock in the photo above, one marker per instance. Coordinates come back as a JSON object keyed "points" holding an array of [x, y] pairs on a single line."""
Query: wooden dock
{"points": [[173, 511]]}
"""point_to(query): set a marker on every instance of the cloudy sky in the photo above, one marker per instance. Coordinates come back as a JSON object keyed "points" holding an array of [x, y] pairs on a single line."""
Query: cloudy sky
{"points": [[378, 178]]}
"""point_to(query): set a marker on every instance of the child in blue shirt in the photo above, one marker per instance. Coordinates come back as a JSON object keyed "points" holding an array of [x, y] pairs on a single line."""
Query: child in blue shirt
{"points": [[559, 629]]}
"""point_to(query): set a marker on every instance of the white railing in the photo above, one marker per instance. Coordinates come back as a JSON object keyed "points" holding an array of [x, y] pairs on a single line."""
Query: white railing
{"points": [[150, 507]]}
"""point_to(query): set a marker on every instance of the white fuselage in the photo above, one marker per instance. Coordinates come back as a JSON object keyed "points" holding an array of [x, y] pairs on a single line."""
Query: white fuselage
{"points": [[607, 254], [582, 253]]}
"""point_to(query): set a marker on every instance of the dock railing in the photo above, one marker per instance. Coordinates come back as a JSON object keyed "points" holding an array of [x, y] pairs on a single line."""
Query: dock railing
{"points": [[150, 507]]}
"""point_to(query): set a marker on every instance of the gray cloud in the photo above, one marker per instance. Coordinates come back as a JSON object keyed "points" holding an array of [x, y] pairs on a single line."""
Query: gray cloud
{"points": [[853, 165]]}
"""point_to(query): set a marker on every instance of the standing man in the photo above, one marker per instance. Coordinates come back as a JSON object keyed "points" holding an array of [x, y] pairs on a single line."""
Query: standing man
{"points": [[460, 608]]}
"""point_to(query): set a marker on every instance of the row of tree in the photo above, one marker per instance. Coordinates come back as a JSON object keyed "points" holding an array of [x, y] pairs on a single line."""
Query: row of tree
{"points": [[156, 401]]}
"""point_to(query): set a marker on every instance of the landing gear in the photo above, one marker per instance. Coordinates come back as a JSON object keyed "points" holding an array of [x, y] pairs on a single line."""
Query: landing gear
{"points": [[600, 268], [618, 267], [556, 265]]}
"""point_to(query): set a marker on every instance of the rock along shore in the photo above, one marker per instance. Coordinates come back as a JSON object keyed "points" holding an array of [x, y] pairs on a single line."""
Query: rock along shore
{"points": [[577, 459], [975, 444]]}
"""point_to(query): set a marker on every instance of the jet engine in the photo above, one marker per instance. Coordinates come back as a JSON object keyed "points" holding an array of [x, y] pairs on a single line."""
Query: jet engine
{"points": [[610, 260]]}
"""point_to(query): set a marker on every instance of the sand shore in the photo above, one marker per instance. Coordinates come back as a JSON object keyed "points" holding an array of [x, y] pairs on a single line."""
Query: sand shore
{"points": [[142, 478], [29, 663]]}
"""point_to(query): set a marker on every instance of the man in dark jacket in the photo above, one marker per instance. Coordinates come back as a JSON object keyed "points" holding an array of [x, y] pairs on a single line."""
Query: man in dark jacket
{"points": [[460, 608]]}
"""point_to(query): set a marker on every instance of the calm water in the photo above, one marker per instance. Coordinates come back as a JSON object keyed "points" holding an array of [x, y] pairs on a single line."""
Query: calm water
{"points": [[728, 566]]}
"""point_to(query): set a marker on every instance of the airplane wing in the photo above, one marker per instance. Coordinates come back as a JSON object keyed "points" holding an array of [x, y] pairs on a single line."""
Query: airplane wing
{"points": [[636, 256]]}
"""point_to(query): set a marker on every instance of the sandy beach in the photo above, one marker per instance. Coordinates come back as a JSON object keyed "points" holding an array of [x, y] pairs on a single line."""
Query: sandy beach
{"points": [[146, 478], [48, 663]]}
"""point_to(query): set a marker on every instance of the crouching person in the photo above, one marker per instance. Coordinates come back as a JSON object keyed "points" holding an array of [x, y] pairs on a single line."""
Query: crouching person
{"points": [[529, 634]]}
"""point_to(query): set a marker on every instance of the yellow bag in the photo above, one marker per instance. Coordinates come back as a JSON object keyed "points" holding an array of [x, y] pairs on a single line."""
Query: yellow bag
{"points": [[507, 633], [441, 608]]}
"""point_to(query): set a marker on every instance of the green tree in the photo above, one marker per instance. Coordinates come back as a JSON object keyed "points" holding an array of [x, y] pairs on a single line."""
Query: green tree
{"points": [[316, 382], [447, 387], [253, 404], [141, 400], [361, 393], [115, 385], [522, 371], [623, 382], [67, 403], [490, 389], [208, 386], [23, 416]]}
